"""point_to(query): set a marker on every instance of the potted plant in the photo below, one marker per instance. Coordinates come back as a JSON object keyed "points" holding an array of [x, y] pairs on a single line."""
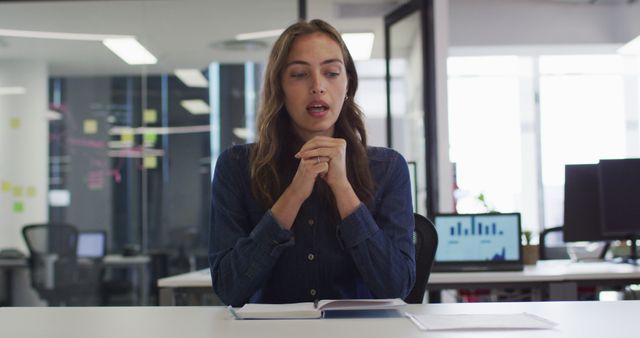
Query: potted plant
{"points": [[529, 250]]}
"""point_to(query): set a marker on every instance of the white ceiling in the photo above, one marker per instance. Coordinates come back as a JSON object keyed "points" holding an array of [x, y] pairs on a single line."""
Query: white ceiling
{"points": [[180, 33], [184, 33]]}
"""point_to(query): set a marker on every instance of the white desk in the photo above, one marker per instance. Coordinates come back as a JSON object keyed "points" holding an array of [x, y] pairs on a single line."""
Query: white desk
{"points": [[195, 279], [141, 264], [194, 284], [575, 320], [561, 277], [7, 266], [544, 271]]}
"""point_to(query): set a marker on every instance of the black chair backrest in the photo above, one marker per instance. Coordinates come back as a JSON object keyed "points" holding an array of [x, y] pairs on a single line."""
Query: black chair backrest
{"points": [[552, 245], [52, 248], [56, 273], [58, 239], [426, 242]]}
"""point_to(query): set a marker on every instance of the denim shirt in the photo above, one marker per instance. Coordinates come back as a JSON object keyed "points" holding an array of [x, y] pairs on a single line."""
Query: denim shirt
{"points": [[368, 254]]}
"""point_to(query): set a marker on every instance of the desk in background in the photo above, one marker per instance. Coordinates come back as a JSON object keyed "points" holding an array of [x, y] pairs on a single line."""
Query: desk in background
{"points": [[7, 267], [575, 319], [139, 263], [558, 278], [187, 288]]}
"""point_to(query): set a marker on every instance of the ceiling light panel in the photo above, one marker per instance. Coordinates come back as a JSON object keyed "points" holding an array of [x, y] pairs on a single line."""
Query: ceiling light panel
{"points": [[192, 78], [259, 35], [58, 35], [359, 45], [12, 90], [196, 107], [131, 51], [631, 48]]}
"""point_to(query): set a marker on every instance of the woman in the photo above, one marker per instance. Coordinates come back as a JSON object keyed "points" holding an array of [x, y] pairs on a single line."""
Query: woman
{"points": [[309, 211]]}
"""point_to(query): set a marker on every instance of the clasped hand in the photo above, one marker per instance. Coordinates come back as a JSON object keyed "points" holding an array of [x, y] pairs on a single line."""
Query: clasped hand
{"points": [[321, 156]]}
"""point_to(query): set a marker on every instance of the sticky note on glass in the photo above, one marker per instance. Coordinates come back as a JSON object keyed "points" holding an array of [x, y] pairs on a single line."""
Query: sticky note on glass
{"points": [[18, 207], [150, 116], [14, 122], [150, 138], [31, 191], [6, 186], [90, 126], [126, 137], [17, 191], [150, 162]]}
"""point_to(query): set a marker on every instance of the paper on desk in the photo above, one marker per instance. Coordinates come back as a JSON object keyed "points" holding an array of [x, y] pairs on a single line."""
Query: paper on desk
{"points": [[480, 321]]}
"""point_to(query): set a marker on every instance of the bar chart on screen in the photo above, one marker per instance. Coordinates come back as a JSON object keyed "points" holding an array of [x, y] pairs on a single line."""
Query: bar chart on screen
{"points": [[483, 237], [478, 229]]}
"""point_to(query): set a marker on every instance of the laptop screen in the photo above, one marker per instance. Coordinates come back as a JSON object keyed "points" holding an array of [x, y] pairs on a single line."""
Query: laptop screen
{"points": [[91, 244], [478, 242]]}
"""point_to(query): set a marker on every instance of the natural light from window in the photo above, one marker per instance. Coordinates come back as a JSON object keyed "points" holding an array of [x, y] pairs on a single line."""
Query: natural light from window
{"points": [[510, 149], [484, 132], [582, 118]]}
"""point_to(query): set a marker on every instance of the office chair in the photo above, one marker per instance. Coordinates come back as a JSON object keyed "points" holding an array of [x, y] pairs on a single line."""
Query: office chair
{"points": [[546, 250], [56, 273], [426, 242]]}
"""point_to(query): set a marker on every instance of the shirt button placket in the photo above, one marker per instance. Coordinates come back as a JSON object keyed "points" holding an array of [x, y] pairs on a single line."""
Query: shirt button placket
{"points": [[311, 257]]}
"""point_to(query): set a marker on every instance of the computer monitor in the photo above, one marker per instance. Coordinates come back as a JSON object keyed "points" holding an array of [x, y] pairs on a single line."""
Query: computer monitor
{"points": [[477, 242], [582, 204], [620, 199], [91, 244]]}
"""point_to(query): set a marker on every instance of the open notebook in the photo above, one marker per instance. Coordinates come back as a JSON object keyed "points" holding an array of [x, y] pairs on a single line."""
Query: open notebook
{"points": [[311, 310]]}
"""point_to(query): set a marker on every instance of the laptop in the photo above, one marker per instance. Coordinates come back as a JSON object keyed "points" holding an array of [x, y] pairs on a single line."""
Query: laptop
{"points": [[478, 242], [92, 244]]}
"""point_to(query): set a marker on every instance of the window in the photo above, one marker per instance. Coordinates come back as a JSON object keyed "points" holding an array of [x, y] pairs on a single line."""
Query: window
{"points": [[505, 157], [582, 101], [485, 133]]}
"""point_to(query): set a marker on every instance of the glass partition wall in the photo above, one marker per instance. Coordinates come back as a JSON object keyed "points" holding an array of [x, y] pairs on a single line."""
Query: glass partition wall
{"points": [[411, 98], [131, 158], [135, 157], [89, 139]]}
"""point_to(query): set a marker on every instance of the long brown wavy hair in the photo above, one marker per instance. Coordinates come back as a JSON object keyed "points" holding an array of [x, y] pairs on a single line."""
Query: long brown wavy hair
{"points": [[271, 156]]}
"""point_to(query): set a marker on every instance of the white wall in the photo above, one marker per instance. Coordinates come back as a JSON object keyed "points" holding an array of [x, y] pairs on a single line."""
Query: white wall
{"points": [[445, 169], [23, 149], [541, 22]]}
